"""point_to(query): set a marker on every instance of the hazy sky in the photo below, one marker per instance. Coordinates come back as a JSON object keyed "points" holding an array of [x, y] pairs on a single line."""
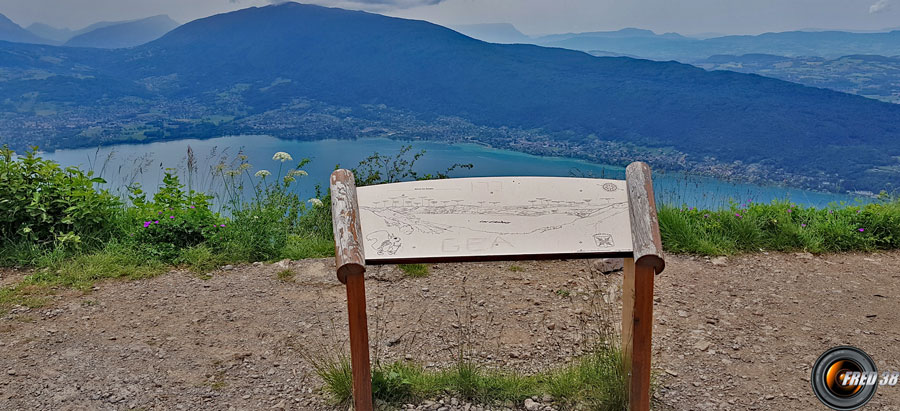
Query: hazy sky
{"points": [[530, 16]]}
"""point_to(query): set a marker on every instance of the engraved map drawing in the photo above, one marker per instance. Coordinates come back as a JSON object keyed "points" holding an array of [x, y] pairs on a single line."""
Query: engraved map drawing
{"points": [[494, 216]]}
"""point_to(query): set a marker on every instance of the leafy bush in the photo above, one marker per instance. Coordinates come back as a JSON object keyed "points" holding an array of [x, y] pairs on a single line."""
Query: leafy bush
{"points": [[173, 221], [44, 205]]}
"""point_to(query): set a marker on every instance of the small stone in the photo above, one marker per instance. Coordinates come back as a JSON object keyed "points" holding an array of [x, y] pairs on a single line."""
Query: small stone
{"points": [[551, 326], [228, 267], [10, 372], [719, 261], [703, 345], [531, 405], [607, 265]]}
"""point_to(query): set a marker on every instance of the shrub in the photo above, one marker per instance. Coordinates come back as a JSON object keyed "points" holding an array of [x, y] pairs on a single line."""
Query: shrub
{"points": [[173, 221], [45, 205]]}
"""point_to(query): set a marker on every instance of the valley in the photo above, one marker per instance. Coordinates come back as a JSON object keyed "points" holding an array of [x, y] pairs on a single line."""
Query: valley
{"points": [[230, 74]]}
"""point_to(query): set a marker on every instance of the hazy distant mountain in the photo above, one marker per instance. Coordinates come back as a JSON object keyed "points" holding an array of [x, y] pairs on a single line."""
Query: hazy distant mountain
{"points": [[671, 46], [626, 33], [10, 31], [493, 32], [303, 71], [50, 33], [124, 34]]}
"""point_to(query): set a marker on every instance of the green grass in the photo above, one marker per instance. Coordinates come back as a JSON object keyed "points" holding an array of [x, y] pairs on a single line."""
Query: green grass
{"points": [[80, 272], [414, 270], [301, 247], [595, 380], [780, 226], [515, 268]]}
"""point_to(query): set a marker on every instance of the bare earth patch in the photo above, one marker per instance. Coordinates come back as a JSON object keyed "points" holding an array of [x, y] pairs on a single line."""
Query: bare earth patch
{"points": [[742, 335]]}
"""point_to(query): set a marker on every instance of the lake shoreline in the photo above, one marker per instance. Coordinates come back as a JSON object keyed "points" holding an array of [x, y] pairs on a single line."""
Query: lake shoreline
{"points": [[488, 160]]}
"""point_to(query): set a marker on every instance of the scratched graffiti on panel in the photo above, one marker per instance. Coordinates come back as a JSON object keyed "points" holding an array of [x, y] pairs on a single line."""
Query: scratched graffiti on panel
{"points": [[494, 216]]}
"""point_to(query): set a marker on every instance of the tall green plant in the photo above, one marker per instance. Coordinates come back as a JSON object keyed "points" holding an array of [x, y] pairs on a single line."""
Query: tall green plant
{"points": [[44, 205], [261, 226]]}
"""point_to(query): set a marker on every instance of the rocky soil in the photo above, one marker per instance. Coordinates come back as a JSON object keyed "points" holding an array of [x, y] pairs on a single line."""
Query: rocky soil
{"points": [[738, 333]]}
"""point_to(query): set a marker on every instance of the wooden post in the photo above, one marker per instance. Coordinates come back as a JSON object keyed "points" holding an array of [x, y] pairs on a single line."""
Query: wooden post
{"points": [[351, 267], [637, 284]]}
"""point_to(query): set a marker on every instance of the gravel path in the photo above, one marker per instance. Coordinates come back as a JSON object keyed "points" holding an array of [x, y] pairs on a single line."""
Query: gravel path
{"points": [[738, 334]]}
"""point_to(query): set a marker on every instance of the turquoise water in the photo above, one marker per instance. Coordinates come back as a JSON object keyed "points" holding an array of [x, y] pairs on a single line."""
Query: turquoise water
{"points": [[126, 164]]}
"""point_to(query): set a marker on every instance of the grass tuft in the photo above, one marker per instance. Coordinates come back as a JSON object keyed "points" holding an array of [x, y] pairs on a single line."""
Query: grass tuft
{"points": [[414, 270], [595, 379], [286, 275]]}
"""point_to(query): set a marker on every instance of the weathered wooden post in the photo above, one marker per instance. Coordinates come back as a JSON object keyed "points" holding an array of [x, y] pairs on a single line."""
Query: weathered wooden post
{"points": [[637, 284], [350, 262]]}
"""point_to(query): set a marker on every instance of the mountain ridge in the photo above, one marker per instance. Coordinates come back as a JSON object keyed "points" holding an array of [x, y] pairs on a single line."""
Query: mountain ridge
{"points": [[124, 34], [10, 31]]}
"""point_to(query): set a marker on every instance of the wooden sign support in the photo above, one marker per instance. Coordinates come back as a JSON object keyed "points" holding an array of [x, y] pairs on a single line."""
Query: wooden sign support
{"points": [[568, 217]]}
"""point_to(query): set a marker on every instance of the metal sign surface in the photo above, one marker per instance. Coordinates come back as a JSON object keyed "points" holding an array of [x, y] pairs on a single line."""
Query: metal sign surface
{"points": [[494, 217]]}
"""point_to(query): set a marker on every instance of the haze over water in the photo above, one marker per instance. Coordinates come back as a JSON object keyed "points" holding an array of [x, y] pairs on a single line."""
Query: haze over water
{"points": [[671, 188]]}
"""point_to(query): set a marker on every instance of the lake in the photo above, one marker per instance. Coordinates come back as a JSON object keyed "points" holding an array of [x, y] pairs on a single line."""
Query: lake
{"points": [[126, 164]]}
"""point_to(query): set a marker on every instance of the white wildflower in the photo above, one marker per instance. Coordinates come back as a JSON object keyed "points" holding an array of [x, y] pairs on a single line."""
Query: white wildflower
{"points": [[282, 156], [263, 173], [233, 173], [315, 202], [245, 166], [297, 173]]}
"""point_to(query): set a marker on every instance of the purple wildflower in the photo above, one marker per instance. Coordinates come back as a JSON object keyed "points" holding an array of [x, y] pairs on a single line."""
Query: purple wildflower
{"points": [[171, 216], [803, 225], [193, 207], [738, 215], [862, 229], [146, 224], [159, 212], [223, 225], [156, 222], [789, 210], [857, 211]]}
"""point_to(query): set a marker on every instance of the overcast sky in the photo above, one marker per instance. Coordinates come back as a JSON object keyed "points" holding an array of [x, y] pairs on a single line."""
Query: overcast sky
{"points": [[530, 16]]}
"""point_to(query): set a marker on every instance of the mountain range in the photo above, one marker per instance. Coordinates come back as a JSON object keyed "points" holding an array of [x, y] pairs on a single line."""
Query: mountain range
{"points": [[303, 71], [124, 34], [105, 34], [673, 46], [10, 31]]}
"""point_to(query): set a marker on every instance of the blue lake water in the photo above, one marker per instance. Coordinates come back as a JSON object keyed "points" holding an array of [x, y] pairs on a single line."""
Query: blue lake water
{"points": [[126, 164]]}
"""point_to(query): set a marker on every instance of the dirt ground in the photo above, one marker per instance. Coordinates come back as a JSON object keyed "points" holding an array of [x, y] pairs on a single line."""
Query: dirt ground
{"points": [[739, 334]]}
